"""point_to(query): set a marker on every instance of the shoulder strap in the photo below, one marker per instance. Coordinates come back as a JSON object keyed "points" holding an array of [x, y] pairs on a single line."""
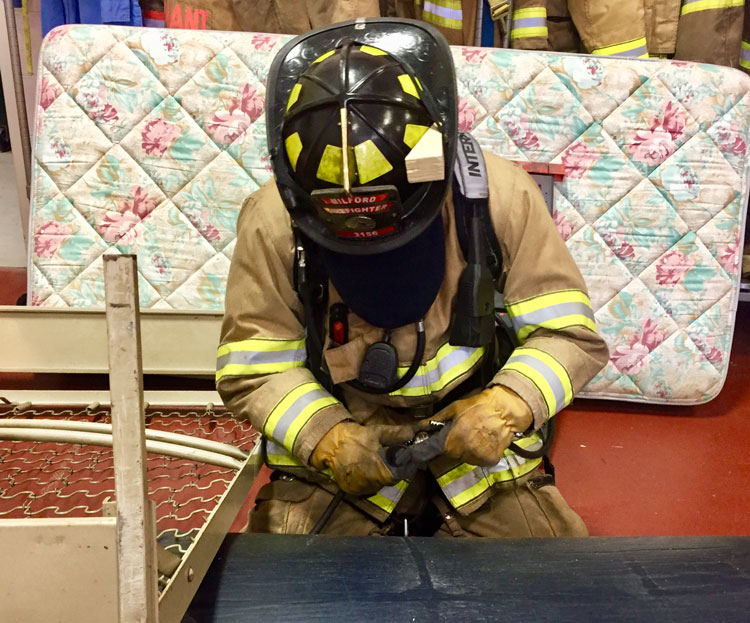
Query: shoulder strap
{"points": [[310, 283], [471, 191]]}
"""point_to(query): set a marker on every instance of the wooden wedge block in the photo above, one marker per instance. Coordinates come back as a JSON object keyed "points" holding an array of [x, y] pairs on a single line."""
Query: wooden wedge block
{"points": [[425, 163]]}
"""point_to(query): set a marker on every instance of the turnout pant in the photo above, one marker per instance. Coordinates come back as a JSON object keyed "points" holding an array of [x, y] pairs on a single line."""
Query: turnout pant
{"points": [[530, 506]]}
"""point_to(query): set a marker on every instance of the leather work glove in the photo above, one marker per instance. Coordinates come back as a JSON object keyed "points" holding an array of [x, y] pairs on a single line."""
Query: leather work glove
{"points": [[351, 451], [484, 424]]}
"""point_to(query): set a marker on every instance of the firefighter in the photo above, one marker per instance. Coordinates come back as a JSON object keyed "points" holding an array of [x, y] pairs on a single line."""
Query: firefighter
{"points": [[345, 329]]}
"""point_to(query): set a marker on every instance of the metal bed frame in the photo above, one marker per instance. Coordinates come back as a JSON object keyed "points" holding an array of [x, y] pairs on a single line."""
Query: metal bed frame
{"points": [[110, 568]]}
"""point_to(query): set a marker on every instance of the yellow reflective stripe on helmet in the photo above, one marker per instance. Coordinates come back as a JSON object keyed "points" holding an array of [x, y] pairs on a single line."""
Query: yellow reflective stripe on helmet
{"points": [[295, 410], [467, 482], [293, 145], [445, 13], [448, 364], [259, 356], [408, 86], [634, 48], [548, 375], [554, 311], [371, 162], [529, 22], [368, 49], [293, 96], [331, 167], [693, 6], [388, 497], [413, 132], [745, 54], [323, 57]]}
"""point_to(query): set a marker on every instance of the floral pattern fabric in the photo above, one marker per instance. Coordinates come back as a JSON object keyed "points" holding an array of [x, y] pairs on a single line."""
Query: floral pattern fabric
{"points": [[147, 141]]}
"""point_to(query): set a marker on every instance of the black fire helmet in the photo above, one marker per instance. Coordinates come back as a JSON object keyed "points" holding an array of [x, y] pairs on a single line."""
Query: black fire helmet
{"points": [[387, 80]]}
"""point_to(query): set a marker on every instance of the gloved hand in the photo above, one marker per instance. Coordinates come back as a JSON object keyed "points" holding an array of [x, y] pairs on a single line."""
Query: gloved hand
{"points": [[483, 425], [351, 451]]}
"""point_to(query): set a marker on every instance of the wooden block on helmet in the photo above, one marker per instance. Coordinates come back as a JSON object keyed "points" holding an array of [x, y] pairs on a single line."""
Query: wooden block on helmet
{"points": [[425, 163]]}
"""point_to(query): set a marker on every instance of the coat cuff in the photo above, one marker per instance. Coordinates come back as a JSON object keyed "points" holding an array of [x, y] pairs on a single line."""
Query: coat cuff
{"points": [[527, 391]]}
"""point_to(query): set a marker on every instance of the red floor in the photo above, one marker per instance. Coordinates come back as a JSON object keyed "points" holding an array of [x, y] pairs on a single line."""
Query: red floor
{"points": [[632, 469]]}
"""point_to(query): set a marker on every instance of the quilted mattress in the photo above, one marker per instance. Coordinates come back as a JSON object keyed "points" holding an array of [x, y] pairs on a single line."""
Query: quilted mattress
{"points": [[147, 141]]}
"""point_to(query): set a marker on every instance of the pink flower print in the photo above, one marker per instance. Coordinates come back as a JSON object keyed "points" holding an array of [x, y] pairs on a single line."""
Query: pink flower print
{"points": [[262, 42], [652, 146], [672, 268], [60, 148], [706, 346], [211, 233], [578, 159], [119, 227], [48, 93], [141, 204], [57, 33], [729, 258], [651, 335], [160, 263], [737, 148], [518, 130], [227, 125], [466, 115], [473, 55], [49, 238], [158, 136], [629, 359], [673, 120], [252, 102], [621, 248], [106, 114], [564, 226]]}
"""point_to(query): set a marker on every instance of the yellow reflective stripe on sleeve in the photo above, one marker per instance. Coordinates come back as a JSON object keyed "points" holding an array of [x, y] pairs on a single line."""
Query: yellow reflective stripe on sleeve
{"points": [[554, 311], [293, 145], [413, 132], [445, 13], [745, 53], [408, 86], [548, 375], [368, 49], [388, 497], [323, 57], [448, 365], [693, 6], [529, 22], [295, 410], [371, 163], [259, 356], [466, 482], [277, 456], [634, 48], [294, 95]]}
